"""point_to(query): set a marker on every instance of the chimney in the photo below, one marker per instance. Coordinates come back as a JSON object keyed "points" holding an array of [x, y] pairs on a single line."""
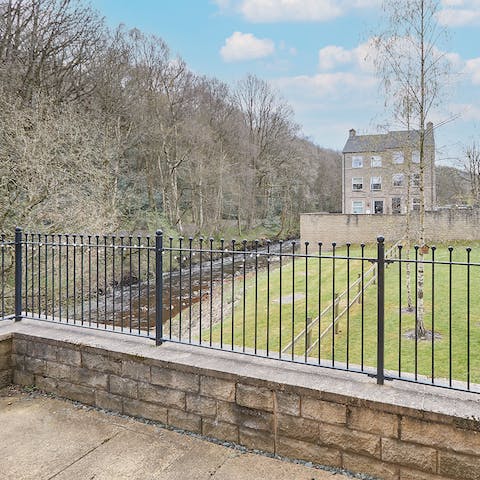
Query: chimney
{"points": [[352, 132]]}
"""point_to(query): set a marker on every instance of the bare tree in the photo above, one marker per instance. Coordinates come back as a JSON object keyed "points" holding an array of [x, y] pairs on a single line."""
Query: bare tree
{"points": [[472, 165], [413, 70]]}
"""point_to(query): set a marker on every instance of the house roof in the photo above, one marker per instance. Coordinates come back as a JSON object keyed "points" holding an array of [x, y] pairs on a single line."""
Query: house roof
{"points": [[388, 141]]}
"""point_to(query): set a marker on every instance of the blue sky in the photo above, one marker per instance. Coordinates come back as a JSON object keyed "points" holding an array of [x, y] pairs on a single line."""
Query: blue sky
{"points": [[312, 52]]}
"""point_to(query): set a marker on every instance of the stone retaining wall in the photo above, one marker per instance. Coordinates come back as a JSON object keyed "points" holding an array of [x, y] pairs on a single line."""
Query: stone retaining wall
{"points": [[5, 360], [440, 226], [381, 439]]}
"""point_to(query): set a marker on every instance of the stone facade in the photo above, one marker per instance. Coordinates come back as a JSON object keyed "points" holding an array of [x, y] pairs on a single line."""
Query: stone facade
{"points": [[440, 226], [336, 428], [377, 169]]}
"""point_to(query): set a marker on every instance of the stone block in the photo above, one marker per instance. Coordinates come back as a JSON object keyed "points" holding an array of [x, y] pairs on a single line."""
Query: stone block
{"points": [[5, 347], [34, 365], [298, 428], [311, 452], [123, 387], [58, 370], [47, 384], [370, 466], [373, 421], [403, 453], [220, 430], [79, 393], [455, 465], [19, 346], [443, 436], [411, 474], [101, 363], [166, 377], [184, 420], [247, 417], [23, 378], [5, 362], [258, 398], [256, 439], [325, 412], [18, 360], [136, 370], [288, 403], [203, 406], [150, 411], [69, 356], [108, 401], [6, 377], [161, 395], [349, 440], [45, 351], [217, 388], [84, 376]]}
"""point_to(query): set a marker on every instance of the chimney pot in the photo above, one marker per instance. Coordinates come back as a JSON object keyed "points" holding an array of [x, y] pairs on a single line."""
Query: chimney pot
{"points": [[352, 132]]}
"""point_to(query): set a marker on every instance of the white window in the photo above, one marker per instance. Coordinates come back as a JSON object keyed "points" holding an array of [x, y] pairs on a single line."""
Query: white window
{"points": [[376, 183], [398, 179], [397, 157], [416, 204], [357, 161], [415, 179], [357, 183], [375, 161], [415, 156], [357, 206]]}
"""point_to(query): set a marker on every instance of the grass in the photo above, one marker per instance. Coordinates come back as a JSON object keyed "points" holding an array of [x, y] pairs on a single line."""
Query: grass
{"points": [[261, 322]]}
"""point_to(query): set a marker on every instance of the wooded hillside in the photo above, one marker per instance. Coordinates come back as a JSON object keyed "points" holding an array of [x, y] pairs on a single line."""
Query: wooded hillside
{"points": [[105, 130]]}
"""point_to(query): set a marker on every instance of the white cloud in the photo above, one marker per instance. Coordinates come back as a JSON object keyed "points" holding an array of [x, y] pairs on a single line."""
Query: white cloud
{"points": [[289, 10], [459, 13], [467, 111], [472, 68], [245, 46], [361, 57]]}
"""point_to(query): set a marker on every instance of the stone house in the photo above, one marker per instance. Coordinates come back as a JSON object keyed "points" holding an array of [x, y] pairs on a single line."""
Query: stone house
{"points": [[377, 170]]}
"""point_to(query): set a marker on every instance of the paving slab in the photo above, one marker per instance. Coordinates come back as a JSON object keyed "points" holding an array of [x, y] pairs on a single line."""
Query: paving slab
{"points": [[46, 438]]}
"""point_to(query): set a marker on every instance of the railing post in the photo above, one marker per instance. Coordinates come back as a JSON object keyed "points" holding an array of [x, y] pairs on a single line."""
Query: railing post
{"points": [[18, 274], [159, 287], [380, 310]]}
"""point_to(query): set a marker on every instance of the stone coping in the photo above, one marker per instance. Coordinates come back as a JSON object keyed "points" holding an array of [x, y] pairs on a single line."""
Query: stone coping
{"points": [[417, 400]]}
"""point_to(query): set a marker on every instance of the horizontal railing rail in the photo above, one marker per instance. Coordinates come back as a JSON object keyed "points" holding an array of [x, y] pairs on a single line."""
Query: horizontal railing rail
{"points": [[391, 312]]}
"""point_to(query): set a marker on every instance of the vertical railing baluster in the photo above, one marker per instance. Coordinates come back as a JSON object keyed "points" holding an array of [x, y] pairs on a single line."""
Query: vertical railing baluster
{"points": [[292, 333], [268, 300], [334, 301], [400, 296], [380, 310], [256, 298], [306, 302], [18, 274], [190, 246], [89, 248], [362, 297], [319, 302], [200, 280], [280, 271], [348, 305], [433, 314], [450, 350], [82, 271], [122, 281], [148, 285], [468, 317], [159, 287], [416, 314], [139, 285], [211, 293], [244, 293]]}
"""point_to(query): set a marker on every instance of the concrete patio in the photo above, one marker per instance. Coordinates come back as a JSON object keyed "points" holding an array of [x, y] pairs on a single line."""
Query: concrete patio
{"points": [[45, 438]]}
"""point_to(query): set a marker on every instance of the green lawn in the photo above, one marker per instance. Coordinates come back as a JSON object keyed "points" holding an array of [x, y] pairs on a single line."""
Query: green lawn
{"points": [[263, 318]]}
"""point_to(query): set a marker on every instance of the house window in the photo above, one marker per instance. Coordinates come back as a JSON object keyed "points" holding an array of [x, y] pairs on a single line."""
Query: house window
{"points": [[397, 157], [396, 205], [398, 179], [357, 206], [416, 204], [357, 183], [375, 161], [378, 206], [415, 156], [376, 183], [415, 179], [357, 161]]}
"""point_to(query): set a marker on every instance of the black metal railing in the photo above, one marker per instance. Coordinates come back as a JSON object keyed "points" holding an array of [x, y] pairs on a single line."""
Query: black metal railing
{"points": [[388, 311]]}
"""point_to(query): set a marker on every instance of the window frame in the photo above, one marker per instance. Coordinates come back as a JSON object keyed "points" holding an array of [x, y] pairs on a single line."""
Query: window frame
{"points": [[414, 156], [362, 207], [376, 183], [357, 158], [398, 157], [376, 161], [357, 183]]}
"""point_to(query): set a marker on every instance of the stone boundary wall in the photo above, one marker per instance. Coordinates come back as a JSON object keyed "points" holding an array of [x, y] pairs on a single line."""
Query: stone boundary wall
{"points": [[379, 438], [5, 360], [440, 226]]}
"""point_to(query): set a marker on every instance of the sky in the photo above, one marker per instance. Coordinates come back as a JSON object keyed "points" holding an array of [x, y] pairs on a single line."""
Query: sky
{"points": [[314, 53]]}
